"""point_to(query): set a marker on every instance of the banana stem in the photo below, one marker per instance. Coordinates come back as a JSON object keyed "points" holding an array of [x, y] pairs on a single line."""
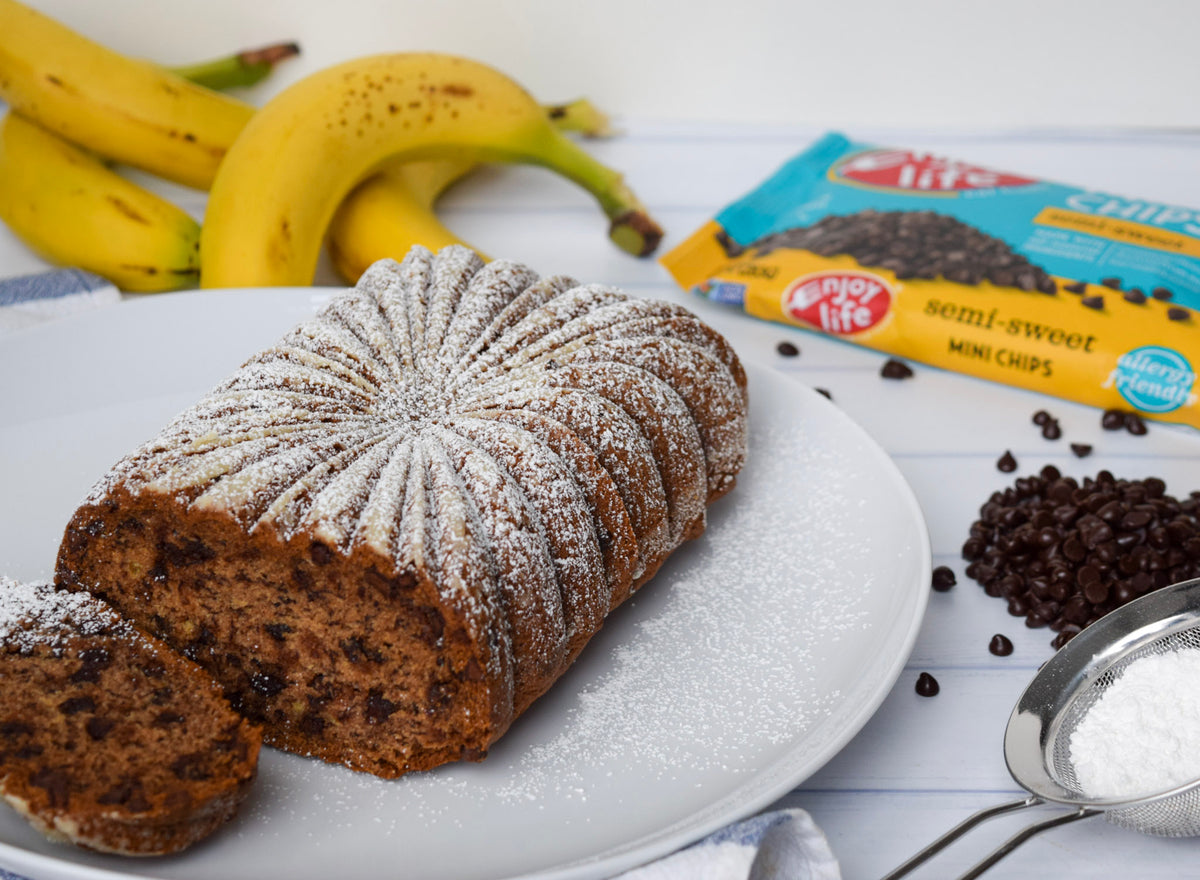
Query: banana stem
{"points": [[243, 69], [581, 117], [630, 225]]}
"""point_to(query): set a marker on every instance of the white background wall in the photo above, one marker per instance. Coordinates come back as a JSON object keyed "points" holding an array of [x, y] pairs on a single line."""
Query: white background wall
{"points": [[937, 63]]}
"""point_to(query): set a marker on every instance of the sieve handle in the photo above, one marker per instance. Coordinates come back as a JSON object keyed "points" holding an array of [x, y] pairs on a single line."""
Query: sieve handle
{"points": [[1023, 835], [959, 830]]}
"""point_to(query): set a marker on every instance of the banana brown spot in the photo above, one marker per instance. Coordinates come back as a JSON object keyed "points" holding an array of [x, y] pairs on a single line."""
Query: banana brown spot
{"points": [[127, 209], [458, 89]]}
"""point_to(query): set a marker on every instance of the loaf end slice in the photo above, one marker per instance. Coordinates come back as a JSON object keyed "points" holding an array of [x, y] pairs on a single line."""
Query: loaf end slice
{"points": [[108, 739]]}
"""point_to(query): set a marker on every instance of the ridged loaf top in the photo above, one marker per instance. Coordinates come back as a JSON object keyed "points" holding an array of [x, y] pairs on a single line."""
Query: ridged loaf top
{"points": [[456, 416]]}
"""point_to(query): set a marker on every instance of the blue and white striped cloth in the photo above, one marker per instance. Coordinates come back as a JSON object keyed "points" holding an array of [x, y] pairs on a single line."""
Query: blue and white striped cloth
{"points": [[33, 299]]}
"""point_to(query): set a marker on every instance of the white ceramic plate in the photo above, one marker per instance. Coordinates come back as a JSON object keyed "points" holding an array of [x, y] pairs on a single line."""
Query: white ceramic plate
{"points": [[754, 656]]}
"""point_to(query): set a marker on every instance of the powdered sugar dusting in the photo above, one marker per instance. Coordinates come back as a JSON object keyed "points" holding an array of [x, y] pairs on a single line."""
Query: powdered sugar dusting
{"points": [[35, 613]]}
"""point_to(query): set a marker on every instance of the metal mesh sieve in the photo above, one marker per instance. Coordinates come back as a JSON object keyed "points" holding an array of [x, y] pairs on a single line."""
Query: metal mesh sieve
{"points": [[1038, 737], [1175, 816]]}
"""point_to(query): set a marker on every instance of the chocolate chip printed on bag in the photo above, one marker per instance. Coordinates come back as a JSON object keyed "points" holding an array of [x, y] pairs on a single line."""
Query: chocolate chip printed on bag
{"points": [[1075, 293]]}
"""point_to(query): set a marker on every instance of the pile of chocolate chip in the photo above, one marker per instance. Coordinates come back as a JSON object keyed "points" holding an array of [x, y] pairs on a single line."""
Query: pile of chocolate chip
{"points": [[914, 244], [1064, 553]]}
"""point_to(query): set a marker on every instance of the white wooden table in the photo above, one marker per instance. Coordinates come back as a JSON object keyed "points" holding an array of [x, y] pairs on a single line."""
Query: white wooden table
{"points": [[921, 764]]}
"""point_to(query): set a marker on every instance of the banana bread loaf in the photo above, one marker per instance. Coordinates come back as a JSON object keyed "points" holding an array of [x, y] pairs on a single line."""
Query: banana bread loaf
{"points": [[392, 531]]}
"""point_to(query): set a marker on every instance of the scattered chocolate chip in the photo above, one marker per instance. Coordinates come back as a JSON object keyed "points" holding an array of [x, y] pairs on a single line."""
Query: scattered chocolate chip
{"points": [[1081, 450], [824, 392], [1134, 424], [1113, 420], [1051, 430], [1076, 287], [1177, 313], [943, 578], [1000, 645], [1161, 293], [1113, 282], [1093, 302], [1134, 296], [787, 349], [1006, 462], [894, 369], [1041, 417], [927, 685]]}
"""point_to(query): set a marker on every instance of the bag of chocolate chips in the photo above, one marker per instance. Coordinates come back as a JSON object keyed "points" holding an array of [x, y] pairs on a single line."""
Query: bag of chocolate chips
{"points": [[1067, 291]]}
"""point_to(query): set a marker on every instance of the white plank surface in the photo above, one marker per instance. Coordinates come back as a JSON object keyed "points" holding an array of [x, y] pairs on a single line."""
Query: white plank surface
{"points": [[920, 765]]}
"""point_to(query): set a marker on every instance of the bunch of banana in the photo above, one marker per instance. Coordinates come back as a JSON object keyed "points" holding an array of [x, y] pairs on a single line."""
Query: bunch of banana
{"points": [[308, 148], [443, 113], [70, 207]]}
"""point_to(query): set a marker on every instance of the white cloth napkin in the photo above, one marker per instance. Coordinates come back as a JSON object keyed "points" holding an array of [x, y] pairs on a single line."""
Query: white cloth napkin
{"points": [[779, 845], [33, 299]]}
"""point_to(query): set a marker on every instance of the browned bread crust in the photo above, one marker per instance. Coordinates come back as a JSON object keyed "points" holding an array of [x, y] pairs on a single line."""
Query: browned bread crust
{"points": [[392, 531], [108, 739]]}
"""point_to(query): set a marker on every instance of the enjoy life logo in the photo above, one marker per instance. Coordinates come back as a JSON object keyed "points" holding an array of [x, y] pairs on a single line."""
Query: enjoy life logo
{"points": [[1154, 379], [913, 171], [842, 302]]}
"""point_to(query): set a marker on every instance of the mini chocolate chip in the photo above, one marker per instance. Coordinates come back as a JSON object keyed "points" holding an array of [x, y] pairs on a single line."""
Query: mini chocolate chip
{"points": [[1051, 430], [1041, 417], [1112, 420], [1134, 296], [193, 766], [1134, 424], [1006, 463], [320, 553], [1000, 645], [56, 785], [1081, 450], [279, 631], [943, 578], [1093, 302], [267, 684], [378, 708], [1075, 287], [98, 728], [1112, 281], [75, 705], [927, 685], [1177, 313], [1161, 293], [895, 369], [787, 349]]}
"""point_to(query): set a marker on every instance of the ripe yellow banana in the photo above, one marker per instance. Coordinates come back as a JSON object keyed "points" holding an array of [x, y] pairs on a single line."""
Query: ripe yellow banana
{"points": [[121, 108], [71, 209], [385, 215], [301, 154]]}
